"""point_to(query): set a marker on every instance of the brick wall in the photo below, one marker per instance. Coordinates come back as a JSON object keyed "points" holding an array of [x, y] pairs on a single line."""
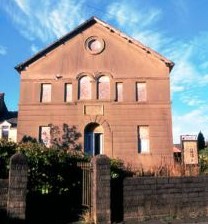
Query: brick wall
{"points": [[163, 197]]}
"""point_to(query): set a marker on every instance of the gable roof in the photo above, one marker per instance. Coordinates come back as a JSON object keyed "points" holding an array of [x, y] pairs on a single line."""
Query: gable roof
{"points": [[83, 27], [5, 114]]}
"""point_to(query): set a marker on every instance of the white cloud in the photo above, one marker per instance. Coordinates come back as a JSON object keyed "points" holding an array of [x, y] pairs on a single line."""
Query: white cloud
{"points": [[132, 15], [3, 50], [192, 99], [181, 8], [190, 123], [34, 48], [125, 14], [45, 20], [152, 39], [23, 5], [177, 88]]}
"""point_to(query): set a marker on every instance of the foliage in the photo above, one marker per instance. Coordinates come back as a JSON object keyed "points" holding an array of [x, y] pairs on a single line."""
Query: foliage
{"points": [[86, 217], [200, 141], [119, 170], [203, 161], [7, 149], [52, 170], [27, 138], [65, 139]]}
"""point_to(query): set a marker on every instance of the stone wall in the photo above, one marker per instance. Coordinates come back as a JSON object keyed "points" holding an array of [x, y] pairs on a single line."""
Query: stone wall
{"points": [[101, 190], [13, 191], [3, 194], [163, 197]]}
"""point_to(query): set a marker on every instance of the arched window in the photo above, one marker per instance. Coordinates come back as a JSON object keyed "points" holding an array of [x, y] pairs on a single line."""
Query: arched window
{"points": [[103, 88], [85, 88]]}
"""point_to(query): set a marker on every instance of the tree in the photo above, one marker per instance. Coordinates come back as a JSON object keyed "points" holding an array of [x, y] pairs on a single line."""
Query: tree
{"points": [[200, 141], [27, 138], [66, 139]]}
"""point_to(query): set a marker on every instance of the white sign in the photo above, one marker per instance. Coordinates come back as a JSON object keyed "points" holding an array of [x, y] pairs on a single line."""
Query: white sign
{"points": [[190, 152], [189, 137]]}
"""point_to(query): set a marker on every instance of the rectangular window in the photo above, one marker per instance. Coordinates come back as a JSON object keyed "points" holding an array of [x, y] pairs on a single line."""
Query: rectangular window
{"points": [[5, 132], [45, 135], [143, 139], [68, 92], [119, 91], [141, 94], [45, 93]]}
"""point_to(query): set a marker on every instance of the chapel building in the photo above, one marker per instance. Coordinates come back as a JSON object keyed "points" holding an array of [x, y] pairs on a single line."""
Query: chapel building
{"points": [[115, 90]]}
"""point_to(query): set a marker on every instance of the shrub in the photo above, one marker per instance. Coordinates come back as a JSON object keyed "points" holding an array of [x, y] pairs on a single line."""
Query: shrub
{"points": [[52, 170], [203, 161], [7, 149], [119, 169]]}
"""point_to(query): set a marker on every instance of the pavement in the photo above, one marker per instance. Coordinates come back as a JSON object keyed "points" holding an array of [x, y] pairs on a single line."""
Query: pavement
{"points": [[200, 220]]}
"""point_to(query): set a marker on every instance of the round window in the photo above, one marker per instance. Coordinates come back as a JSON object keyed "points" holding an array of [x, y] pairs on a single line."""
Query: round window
{"points": [[94, 45]]}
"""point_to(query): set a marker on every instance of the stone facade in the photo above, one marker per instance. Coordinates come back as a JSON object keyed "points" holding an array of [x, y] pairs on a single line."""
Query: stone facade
{"points": [[112, 88]]}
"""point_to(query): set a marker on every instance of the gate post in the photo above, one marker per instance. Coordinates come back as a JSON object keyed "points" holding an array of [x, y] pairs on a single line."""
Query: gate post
{"points": [[101, 189], [16, 202]]}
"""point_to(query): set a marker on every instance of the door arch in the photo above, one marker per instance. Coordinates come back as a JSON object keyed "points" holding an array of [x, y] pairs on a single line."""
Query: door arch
{"points": [[93, 139]]}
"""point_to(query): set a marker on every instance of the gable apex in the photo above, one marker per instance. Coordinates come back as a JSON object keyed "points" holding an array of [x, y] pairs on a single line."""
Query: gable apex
{"points": [[85, 25]]}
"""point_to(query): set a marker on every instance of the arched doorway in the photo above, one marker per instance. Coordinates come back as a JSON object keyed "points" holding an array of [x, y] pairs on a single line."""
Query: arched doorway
{"points": [[93, 139]]}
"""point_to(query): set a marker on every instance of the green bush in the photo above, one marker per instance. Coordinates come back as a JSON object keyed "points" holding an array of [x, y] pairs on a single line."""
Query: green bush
{"points": [[119, 170], [7, 149], [203, 161], [52, 170]]}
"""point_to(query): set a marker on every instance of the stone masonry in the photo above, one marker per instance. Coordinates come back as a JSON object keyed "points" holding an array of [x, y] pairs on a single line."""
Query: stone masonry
{"points": [[101, 190], [16, 202], [162, 197]]}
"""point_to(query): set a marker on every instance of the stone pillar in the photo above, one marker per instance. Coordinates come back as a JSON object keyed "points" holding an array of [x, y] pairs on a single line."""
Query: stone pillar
{"points": [[17, 190], [101, 211]]}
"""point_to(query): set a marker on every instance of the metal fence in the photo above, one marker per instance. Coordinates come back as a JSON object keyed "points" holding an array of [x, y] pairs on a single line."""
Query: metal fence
{"points": [[86, 184]]}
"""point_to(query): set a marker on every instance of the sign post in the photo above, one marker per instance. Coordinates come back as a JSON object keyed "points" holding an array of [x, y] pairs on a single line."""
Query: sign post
{"points": [[190, 153]]}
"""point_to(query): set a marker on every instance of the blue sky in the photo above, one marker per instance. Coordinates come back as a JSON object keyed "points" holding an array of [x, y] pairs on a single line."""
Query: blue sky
{"points": [[178, 29]]}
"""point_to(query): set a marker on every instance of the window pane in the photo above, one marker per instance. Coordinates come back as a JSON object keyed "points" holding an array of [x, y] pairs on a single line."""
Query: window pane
{"points": [[143, 139], [68, 92], [141, 91], [45, 136], [119, 91], [5, 132], [104, 88], [85, 88], [46, 93]]}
